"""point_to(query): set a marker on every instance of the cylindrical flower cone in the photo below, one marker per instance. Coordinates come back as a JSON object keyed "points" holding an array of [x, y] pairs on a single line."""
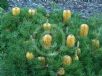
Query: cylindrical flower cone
{"points": [[78, 51], [61, 71], [76, 57], [47, 15], [70, 40], [16, 11], [96, 43], [66, 15], [42, 59], [32, 11], [47, 40], [47, 26], [29, 56], [67, 60], [84, 29]]}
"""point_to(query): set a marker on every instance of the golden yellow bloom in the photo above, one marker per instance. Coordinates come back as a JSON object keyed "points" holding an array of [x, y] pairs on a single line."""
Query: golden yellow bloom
{"points": [[29, 55], [67, 60], [47, 26], [16, 11], [47, 40], [70, 40], [31, 11], [66, 15], [42, 59], [96, 43], [61, 71], [84, 30]]}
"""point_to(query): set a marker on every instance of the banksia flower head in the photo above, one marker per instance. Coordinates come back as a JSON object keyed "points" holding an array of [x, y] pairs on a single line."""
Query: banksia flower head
{"points": [[47, 15], [47, 40], [42, 59], [31, 11], [84, 28], [76, 57], [47, 26], [16, 11], [70, 40], [96, 43], [61, 71], [78, 51], [66, 15], [29, 55], [67, 60]]}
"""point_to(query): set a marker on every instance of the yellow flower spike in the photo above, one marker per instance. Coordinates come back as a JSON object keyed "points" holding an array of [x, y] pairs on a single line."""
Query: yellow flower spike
{"points": [[42, 59], [47, 40], [16, 11], [47, 26], [29, 55], [76, 57], [66, 15], [47, 15], [61, 71], [70, 40], [32, 11], [84, 29], [67, 60], [78, 51], [96, 43]]}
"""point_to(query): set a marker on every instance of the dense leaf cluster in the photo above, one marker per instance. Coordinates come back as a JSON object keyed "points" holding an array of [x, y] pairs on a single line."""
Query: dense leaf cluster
{"points": [[4, 4]]}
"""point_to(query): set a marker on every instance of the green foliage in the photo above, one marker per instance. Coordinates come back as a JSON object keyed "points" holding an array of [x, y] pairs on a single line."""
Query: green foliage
{"points": [[16, 33], [1, 12], [4, 4]]}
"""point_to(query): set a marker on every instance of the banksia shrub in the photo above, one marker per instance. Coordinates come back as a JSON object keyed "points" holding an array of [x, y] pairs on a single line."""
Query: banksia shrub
{"points": [[84, 29], [67, 60], [23, 43], [47, 40], [66, 15], [70, 40], [15, 11]]}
